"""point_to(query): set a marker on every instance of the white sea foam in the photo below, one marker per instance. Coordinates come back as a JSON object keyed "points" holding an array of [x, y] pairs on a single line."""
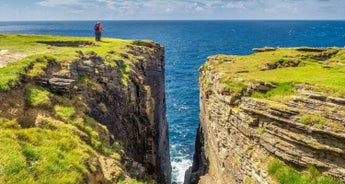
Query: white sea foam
{"points": [[180, 107], [179, 167]]}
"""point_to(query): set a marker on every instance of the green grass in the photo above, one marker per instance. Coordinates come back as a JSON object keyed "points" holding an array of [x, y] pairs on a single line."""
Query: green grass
{"points": [[10, 75], [314, 120], [327, 80], [9, 124], [235, 87], [262, 131], [39, 53], [36, 96], [125, 69], [324, 79], [97, 134], [30, 66], [55, 151], [83, 80], [39, 64], [64, 112], [281, 89], [38, 155], [288, 175]]}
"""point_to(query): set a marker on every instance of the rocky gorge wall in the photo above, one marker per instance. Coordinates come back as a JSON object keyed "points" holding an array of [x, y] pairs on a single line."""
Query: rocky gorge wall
{"points": [[135, 112], [239, 135]]}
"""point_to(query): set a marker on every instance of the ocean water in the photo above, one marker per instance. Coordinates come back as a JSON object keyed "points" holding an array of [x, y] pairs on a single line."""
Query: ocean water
{"points": [[188, 44]]}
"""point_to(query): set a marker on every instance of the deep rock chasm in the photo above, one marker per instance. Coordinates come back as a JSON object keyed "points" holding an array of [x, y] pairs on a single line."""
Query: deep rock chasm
{"points": [[79, 111]]}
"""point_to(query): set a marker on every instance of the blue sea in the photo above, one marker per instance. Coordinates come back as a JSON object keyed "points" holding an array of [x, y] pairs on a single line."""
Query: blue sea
{"points": [[188, 44]]}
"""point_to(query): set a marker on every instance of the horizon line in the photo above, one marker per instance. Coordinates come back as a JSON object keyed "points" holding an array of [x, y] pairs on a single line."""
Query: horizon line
{"points": [[73, 20]]}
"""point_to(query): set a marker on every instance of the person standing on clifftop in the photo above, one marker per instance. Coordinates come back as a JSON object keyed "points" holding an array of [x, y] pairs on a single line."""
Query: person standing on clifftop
{"points": [[98, 31]]}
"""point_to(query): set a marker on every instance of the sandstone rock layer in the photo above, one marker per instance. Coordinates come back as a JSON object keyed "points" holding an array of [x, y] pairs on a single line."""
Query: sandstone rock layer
{"points": [[239, 133]]}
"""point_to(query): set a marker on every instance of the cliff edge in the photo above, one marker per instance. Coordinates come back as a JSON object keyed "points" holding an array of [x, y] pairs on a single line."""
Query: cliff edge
{"points": [[276, 116], [77, 111]]}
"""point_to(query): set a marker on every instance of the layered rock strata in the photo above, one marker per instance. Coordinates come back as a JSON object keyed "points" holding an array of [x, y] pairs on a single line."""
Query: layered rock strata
{"points": [[238, 133]]}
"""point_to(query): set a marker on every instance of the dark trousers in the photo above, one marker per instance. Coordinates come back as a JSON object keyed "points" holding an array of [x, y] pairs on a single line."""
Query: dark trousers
{"points": [[98, 36]]}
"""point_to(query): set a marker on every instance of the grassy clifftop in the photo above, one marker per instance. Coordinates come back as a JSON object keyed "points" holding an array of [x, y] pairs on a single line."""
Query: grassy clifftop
{"points": [[287, 69], [47, 137], [33, 52]]}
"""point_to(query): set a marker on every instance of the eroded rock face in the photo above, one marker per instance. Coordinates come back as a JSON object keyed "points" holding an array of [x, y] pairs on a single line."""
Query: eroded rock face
{"points": [[237, 134], [129, 98]]}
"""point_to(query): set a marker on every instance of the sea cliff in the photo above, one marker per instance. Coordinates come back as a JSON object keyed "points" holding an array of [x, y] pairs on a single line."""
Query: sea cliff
{"points": [[74, 110], [276, 116]]}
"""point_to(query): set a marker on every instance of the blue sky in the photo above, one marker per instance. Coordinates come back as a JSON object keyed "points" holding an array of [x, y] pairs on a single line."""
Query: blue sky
{"points": [[170, 9]]}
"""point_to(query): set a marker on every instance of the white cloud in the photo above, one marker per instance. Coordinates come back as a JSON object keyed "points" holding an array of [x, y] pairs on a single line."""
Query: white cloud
{"points": [[235, 5], [168, 10], [287, 7], [200, 9], [109, 3], [59, 3]]}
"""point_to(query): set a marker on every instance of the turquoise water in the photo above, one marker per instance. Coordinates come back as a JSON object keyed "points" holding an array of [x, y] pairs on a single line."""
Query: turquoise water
{"points": [[187, 44]]}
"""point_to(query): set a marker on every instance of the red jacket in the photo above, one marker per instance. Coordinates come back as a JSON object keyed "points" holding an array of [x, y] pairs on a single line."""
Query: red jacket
{"points": [[98, 28]]}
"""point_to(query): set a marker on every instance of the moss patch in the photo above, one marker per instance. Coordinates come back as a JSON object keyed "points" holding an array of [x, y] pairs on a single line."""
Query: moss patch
{"points": [[36, 96], [313, 120], [276, 94], [288, 175]]}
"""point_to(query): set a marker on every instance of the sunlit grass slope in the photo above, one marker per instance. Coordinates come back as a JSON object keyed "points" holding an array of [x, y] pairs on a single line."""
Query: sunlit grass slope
{"points": [[320, 70], [49, 138]]}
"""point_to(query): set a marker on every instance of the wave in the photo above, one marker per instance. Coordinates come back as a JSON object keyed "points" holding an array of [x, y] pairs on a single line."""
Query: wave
{"points": [[179, 166]]}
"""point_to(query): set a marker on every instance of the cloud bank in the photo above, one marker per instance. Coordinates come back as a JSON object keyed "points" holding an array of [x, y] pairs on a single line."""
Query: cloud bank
{"points": [[187, 9]]}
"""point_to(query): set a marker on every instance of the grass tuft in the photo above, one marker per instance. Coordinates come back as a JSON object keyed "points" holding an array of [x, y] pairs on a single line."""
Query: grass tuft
{"points": [[125, 69], [235, 87], [64, 112], [262, 131], [9, 124], [282, 89], [36, 96], [288, 175], [311, 120]]}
